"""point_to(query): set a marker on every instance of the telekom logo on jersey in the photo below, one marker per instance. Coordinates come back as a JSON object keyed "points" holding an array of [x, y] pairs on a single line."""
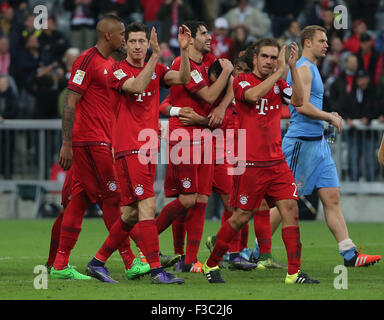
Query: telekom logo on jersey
{"points": [[197, 149]]}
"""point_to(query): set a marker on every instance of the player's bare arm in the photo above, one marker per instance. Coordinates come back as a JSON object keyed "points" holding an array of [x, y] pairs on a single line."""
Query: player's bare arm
{"points": [[256, 93], [210, 93], [183, 75], [380, 155], [189, 117], [216, 116], [66, 155], [308, 109], [297, 87], [137, 85]]}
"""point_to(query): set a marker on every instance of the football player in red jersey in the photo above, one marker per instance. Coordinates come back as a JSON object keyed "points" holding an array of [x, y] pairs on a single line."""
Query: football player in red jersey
{"points": [[135, 86], [87, 140], [189, 181], [259, 102]]}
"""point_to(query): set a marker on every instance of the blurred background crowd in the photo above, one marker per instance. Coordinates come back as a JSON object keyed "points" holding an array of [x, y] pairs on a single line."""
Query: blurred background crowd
{"points": [[36, 64]]}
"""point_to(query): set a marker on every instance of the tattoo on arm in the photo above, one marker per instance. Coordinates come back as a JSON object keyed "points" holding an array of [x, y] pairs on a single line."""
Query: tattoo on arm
{"points": [[67, 122]]}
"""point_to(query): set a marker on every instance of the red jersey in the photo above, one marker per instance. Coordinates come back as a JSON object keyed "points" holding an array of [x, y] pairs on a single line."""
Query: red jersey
{"points": [[185, 95], [261, 119], [93, 113], [135, 112]]}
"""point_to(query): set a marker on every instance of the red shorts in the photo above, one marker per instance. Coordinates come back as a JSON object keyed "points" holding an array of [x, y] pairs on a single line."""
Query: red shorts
{"points": [[189, 178], [222, 181], [136, 179], [94, 172], [272, 183]]}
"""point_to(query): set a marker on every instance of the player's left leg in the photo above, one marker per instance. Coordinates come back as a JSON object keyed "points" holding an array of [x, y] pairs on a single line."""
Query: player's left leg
{"points": [[150, 242], [330, 198], [291, 237]]}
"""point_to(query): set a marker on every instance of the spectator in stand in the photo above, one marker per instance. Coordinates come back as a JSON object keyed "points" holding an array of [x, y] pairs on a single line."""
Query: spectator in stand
{"points": [[326, 17], [240, 41], [281, 13], [125, 9], [292, 34], [369, 59], [83, 22], [5, 56], [353, 42], [211, 11], [172, 14], [343, 84], [29, 60], [363, 9], [360, 104], [332, 64], [253, 20], [69, 58], [53, 43], [28, 29], [380, 98], [150, 9], [379, 41], [221, 42], [8, 110]]}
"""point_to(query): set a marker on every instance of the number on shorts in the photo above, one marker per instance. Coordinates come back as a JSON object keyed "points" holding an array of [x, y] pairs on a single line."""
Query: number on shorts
{"points": [[295, 192]]}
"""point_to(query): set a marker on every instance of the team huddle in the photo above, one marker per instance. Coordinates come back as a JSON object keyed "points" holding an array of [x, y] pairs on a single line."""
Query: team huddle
{"points": [[224, 135]]}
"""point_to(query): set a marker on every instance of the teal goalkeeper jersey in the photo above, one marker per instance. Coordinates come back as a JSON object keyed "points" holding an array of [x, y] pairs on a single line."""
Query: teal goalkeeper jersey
{"points": [[300, 125]]}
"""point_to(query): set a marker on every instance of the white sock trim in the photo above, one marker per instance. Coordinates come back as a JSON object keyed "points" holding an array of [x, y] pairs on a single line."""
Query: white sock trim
{"points": [[346, 244]]}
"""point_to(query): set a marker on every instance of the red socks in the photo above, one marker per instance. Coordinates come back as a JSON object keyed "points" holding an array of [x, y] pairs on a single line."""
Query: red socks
{"points": [[244, 237], [150, 242], [194, 223], [55, 238], [70, 229], [178, 231], [291, 238], [117, 235], [262, 225], [224, 237], [169, 213], [234, 245]]}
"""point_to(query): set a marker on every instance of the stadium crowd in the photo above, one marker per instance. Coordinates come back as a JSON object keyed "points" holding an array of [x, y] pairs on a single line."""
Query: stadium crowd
{"points": [[35, 65]]}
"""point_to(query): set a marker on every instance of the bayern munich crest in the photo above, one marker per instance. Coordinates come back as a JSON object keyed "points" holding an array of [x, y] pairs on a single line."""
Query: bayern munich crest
{"points": [[139, 190], [186, 183], [276, 89], [243, 199], [112, 186]]}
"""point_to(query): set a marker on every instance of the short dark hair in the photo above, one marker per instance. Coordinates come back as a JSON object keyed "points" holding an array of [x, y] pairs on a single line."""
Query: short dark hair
{"points": [[137, 27], [246, 58], [215, 69], [112, 17], [194, 26]]}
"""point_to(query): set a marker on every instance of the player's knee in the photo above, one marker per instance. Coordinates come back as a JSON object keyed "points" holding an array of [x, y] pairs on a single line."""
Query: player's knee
{"points": [[264, 205], [129, 216], [239, 219], [202, 198], [188, 200]]}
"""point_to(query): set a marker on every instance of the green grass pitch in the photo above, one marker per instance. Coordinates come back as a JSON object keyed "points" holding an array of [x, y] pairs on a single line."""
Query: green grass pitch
{"points": [[25, 243]]}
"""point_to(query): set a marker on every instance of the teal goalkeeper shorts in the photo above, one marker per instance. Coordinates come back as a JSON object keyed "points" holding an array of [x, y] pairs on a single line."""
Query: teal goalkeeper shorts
{"points": [[311, 163]]}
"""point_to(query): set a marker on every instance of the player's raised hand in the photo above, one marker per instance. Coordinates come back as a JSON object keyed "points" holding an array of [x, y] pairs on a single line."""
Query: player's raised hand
{"points": [[154, 43], [226, 64], [293, 55], [281, 59], [184, 37]]}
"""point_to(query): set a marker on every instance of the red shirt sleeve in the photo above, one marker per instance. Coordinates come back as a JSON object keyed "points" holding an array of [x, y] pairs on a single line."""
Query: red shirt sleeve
{"points": [[240, 85], [117, 76], [80, 79], [166, 102], [161, 71]]}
